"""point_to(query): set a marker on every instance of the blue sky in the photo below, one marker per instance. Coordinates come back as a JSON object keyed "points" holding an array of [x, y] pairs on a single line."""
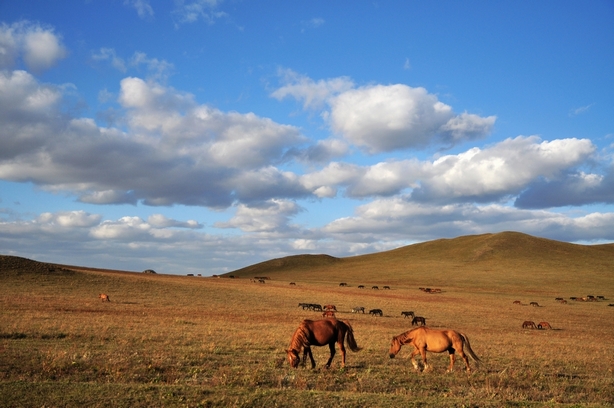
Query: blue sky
{"points": [[204, 136]]}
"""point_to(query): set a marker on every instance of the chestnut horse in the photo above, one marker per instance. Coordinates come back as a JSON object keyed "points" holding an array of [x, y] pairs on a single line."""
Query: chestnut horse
{"points": [[104, 297], [320, 333], [436, 341]]}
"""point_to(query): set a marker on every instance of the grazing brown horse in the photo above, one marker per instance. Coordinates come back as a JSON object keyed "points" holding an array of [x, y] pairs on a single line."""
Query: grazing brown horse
{"points": [[408, 314], [418, 320], [544, 325], [527, 324], [376, 312], [330, 307], [328, 313], [436, 341], [517, 302], [104, 297], [534, 304], [320, 333]]}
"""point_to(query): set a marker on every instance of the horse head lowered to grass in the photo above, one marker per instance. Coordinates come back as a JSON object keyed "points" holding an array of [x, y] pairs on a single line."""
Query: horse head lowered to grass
{"points": [[320, 333], [437, 341]]}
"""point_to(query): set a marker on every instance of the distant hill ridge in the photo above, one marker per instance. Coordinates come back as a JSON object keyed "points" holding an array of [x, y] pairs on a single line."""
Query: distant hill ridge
{"points": [[502, 258]]}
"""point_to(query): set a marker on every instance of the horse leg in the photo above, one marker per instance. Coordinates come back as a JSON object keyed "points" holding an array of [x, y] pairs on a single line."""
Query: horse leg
{"points": [[465, 359], [307, 352], [342, 348], [451, 368], [413, 359], [331, 346], [423, 354]]}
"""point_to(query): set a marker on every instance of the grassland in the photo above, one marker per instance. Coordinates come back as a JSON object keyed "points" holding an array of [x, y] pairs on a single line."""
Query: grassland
{"points": [[182, 341]]}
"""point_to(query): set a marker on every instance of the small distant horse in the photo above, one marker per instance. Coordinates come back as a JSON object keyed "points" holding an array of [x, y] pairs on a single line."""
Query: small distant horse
{"points": [[534, 304], [343, 284], [436, 341], [527, 324], [386, 287], [563, 301], [104, 297], [361, 286], [320, 333], [292, 283], [328, 313], [330, 307], [544, 325], [517, 302], [408, 314], [358, 309], [418, 320], [374, 287], [376, 312]]}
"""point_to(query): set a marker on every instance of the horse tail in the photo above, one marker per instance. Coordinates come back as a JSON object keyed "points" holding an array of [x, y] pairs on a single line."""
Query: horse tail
{"points": [[469, 349], [350, 338]]}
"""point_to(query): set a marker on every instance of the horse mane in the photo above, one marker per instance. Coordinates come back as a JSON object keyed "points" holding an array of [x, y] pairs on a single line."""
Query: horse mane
{"points": [[300, 338], [403, 337]]}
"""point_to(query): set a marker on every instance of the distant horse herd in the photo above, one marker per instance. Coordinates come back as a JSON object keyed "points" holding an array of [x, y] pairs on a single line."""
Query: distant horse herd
{"points": [[528, 324], [329, 331]]}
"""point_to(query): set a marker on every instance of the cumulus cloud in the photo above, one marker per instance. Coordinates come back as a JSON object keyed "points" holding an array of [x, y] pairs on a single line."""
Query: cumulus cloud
{"points": [[384, 118], [161, 221], [572, 188], [173, 151], [503, 169], [400, 219], [269, 217], [39, 47], [313, 94]]}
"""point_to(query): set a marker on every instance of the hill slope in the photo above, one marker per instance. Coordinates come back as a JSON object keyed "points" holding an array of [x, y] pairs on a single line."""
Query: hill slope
{"points": [[504, 259]]}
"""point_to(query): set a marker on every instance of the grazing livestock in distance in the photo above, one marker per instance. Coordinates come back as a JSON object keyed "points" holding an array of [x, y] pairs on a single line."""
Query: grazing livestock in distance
{"points": [[436, 341], [104, 297], [292, 283], [534, 304], [330, 307], [418, 320], [544, 325], [408, 314], [386, 287], [376, 312], [361, 286], [517, 302], [358, 309], [328, 313], [374, 287], [343, 284], [527, 324], [320, 333]]}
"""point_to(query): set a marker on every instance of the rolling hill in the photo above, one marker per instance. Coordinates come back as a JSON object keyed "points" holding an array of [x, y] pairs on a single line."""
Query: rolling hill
{"points": [[501, 260]]}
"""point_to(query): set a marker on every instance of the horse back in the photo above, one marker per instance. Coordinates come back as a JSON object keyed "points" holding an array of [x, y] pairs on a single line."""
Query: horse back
{"points": [[325, 331]]}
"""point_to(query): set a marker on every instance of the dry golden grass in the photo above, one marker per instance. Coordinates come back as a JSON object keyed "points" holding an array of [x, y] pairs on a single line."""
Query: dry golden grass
{"points": [[189, 341]]}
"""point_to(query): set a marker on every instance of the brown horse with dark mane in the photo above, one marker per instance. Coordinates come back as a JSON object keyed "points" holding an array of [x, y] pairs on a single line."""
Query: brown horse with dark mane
{"points": [[320, 333], [436, 341], [104, 297]]}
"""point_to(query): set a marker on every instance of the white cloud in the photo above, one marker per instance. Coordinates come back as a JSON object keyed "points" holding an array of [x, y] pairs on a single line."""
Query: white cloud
{"points": [[161, 221], [142, 7], [383, 118], [192, 11], [270, 217], [70, 219], [109, 54], [39, 47], [502, 169], [313, 94]]}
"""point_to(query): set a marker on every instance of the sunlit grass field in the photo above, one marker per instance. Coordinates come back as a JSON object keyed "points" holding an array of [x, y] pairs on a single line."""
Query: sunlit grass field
{"points": [[183, 341]]}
